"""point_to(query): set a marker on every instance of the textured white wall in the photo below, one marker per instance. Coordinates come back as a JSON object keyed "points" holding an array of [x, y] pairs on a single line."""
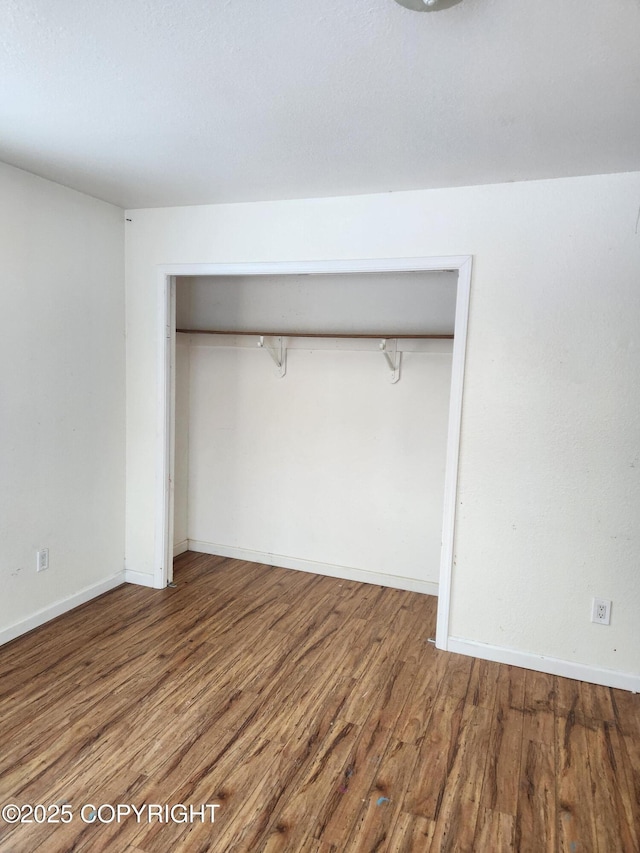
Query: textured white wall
{"points": [[549, 483], [62, 393]]}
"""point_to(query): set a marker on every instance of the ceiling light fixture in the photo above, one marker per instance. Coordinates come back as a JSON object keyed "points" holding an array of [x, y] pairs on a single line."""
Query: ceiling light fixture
{"points": [[427, 5]]}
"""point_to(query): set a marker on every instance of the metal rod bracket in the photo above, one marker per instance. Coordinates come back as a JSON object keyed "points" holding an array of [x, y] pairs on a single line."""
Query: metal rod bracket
{"points": [[389, 349], [278, 353]]}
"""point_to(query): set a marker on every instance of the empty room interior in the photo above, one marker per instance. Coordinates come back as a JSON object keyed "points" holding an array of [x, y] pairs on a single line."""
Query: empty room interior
{"points": [[320, 494]]}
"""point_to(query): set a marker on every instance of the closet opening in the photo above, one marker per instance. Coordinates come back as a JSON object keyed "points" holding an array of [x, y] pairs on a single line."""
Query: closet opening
{"points": [[310, 416]]}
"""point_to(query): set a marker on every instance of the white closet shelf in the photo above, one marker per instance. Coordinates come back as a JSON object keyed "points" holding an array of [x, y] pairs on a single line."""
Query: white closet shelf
{"points": [[371, 335]]}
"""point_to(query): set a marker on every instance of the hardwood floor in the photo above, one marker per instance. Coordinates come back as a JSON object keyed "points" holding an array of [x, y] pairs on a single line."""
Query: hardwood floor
{"points": [[316, 714]]}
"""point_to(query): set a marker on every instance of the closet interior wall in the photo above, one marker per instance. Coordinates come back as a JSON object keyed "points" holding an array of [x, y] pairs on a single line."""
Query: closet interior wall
{"points": [[330, 468]]}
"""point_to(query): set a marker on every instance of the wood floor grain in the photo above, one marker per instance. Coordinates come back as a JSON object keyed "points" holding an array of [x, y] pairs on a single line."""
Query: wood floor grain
{"points": [[315, 713]]}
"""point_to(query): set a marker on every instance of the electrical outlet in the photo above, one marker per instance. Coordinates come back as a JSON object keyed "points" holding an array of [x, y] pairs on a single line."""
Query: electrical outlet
{"points": [[42, 560], [601, 611]]}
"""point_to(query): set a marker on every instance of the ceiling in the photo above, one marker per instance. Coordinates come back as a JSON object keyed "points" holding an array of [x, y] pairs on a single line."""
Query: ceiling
{"points": [[149, 103]]}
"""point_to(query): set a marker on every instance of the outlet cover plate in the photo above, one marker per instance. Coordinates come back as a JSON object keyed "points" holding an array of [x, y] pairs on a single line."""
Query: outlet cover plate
{"points": [[601, 611]]}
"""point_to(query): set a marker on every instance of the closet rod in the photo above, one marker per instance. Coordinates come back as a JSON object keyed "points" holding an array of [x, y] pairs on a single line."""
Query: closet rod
{"points": [[388, 336]]}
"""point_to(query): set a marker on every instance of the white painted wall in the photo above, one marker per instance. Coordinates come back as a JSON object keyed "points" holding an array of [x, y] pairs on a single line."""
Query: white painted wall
{"points": [[400, 302], [549, 483], [181, 460], [62, 397], [331, 467]]}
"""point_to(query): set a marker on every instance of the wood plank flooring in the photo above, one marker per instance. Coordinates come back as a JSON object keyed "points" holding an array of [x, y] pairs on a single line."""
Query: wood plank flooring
{"points": [[315, 712]]}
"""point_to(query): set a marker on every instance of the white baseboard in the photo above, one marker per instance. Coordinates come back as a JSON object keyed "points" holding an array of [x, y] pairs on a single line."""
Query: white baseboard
{"points": [[139, 578], [60, 607], [180, 547], [332, 571], [554, 666]]}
